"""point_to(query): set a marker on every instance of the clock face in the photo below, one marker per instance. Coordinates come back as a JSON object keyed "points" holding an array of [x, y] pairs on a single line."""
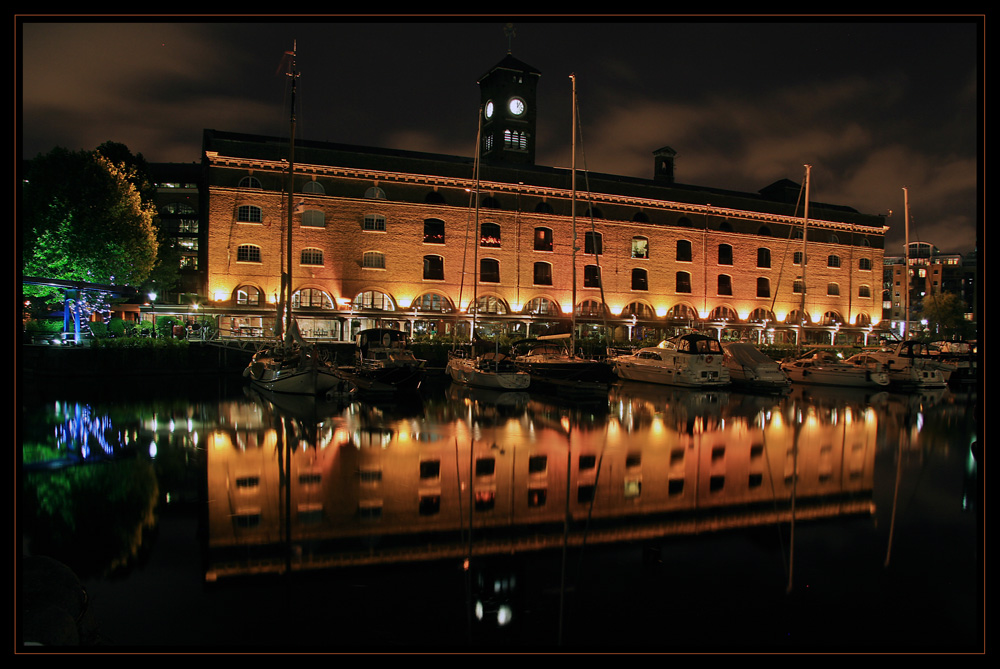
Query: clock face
{"points": [[516, 106], [489, 109]]}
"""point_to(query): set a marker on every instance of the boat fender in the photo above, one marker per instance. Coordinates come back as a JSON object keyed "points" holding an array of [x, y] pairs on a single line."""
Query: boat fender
{"points": [[386, 340], [257, 370]]}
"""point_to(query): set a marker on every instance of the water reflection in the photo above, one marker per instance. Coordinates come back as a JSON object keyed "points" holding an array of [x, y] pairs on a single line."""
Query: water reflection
{"points": [[305, 487], [289, 485]]}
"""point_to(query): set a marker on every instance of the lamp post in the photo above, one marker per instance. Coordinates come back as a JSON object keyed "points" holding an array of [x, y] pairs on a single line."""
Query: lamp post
{"points": [[152, 310]]}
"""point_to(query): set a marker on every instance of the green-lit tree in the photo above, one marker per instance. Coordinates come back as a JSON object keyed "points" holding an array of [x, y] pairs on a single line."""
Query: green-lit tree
{"points": [[84, 217]]}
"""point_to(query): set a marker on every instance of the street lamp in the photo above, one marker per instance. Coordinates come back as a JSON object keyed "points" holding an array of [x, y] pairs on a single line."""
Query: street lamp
{"points": [[152, 310]]}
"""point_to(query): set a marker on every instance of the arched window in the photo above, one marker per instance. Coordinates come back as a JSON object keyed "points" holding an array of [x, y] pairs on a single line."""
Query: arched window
{"points": [[311, 257], [639, 310], [590, 309], [489, 270], [682, 312], [764, 231], [543, 208], [434, 197], [640, 217], [832, 318], [640, 279], [542, 275], [723, 314], [725, 286], [487, 304], [685, 222], [490, 202], [593, 212], [248, 296], [760, 315], [432, 302], [862, 320], [375, 193], [725, 254], [250, 182], [683, 282], [541, 306], [796, 317], [543, 239], [313, 218], [591, 276], [489, 235], [248, 213], [683, 250], [433, 268], [314, 188], [864, 291], [865, 264], [373, 299], [833, 261], [248, 253], [833, 289], [311, 298], [373, 260]]}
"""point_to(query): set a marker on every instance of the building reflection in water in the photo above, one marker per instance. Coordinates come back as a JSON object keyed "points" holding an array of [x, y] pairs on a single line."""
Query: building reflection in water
{"points": [[316, 486]]}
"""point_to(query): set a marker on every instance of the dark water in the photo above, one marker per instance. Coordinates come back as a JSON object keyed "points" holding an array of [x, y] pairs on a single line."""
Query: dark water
{"points": [[210, 517]]}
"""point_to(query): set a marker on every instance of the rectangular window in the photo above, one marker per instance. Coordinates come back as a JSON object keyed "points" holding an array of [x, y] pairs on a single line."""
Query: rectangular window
{"points": [[537, 464], [725, 254], [593, 243], [543, 239], [433, 231], [640, 247], [485, 466], [434, 268], [489, 270], [640, 280], [763, 287], [430, 469], [591, 276], [374, 222], [684, 250], [542, 274], [763, 257], [725, 284], [489, 235]]}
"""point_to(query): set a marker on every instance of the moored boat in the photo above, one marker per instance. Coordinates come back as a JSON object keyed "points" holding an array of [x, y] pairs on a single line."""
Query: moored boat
{"points": [[751, 369], [493, 371], [907, 364], [691, 360], [295, 369], [384, 364], [553, 367], [823, 368]]}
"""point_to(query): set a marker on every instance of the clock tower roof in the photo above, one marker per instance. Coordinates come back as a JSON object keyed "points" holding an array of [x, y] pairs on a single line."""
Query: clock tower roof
{"points": [[512, 64]]}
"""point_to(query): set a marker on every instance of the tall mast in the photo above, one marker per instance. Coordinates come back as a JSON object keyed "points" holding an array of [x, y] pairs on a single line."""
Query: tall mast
{"points": [[906, 284], [286, 288], [572, 338], [476, 240], [805, 234]]}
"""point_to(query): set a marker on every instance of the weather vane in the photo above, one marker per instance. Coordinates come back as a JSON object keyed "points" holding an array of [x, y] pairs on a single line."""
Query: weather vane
{"points": [[508, 30]]}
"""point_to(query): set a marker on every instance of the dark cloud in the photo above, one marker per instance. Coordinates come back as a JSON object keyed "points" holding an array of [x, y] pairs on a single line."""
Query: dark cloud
{"points": [[873, 106]]}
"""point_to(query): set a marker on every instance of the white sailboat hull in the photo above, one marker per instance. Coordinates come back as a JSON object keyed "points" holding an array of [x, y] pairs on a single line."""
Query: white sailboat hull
{"points": [[466, 372]]}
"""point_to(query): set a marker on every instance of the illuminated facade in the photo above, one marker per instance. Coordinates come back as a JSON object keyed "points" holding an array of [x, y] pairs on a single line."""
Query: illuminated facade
{"points": [[390, 236]]}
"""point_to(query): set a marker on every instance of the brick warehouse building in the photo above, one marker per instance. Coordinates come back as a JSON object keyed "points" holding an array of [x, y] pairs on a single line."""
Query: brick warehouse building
{"points": [[386, 236]]}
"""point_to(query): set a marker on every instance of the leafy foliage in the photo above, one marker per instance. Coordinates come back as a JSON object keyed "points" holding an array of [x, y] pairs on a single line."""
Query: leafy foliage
{"points": [[84, 220]]}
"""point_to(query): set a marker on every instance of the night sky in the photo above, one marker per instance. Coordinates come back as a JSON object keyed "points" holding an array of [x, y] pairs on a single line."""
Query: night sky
{"points": [[874, 105]]}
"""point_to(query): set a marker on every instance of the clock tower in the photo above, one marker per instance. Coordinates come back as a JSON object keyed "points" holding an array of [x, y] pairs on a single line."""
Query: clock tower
{"points": [[507, 93]]}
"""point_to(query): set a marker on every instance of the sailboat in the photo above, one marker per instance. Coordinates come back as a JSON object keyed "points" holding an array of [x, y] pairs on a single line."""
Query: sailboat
{"points": [[492, 370], [290, 364], [552, 360]]}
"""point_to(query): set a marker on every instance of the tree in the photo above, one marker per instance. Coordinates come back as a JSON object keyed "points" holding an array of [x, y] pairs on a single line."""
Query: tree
{"points": [[945, 316], [83, 219]]}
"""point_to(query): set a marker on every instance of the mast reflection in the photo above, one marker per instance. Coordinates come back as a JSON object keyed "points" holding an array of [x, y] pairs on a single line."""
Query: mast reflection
{"points": [[315, 486]]}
